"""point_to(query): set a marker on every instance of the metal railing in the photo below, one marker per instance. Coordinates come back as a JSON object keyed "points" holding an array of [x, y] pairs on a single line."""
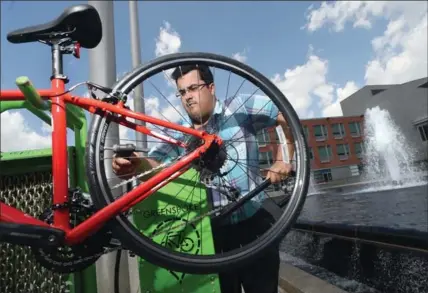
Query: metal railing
{"points": [[76, 121]]}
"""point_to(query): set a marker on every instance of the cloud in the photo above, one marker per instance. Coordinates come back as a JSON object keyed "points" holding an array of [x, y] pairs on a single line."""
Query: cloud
{"points": [[165, 111], [337, 14], [306, 84], [362, 14], [334, 108], [400, 53], [168, 41], [240, 56], [17, 135]]}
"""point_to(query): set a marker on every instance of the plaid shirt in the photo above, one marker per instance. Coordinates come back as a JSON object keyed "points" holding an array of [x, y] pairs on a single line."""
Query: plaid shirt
{"points": [[237, 123]]}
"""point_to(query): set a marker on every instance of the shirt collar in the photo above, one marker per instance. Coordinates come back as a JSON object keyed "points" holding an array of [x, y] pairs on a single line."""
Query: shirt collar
{"points": [[218, 111]]}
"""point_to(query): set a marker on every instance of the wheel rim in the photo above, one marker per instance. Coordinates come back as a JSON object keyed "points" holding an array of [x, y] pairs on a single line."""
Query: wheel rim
{"points": [[302, 180]]}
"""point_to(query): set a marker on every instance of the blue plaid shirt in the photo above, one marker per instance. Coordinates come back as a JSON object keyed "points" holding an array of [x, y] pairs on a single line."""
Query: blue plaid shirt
{"points": [[237, 119]]}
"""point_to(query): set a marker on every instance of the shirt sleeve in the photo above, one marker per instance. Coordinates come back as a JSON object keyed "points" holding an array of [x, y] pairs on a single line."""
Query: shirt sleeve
{"points": [[262, 110], [164, 152]]}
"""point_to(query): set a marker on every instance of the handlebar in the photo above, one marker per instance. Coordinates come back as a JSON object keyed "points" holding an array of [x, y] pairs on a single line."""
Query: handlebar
{"points": [[236, 205]]}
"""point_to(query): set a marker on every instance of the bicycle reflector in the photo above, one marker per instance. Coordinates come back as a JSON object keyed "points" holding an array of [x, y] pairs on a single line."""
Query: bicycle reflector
{"points": [[76, 50]]}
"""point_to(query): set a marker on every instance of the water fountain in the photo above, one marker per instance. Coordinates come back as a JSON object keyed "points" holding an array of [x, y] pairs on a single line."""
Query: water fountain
{"points": [[388, 157], [390, 202], [312, 190]]}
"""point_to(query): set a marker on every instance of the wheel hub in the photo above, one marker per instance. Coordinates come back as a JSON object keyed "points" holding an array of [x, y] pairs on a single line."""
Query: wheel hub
{"points": [[211, 161]]}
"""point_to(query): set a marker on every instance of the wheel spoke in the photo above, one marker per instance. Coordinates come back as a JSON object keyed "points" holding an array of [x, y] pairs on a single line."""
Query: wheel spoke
{"points": [[228, 169]]}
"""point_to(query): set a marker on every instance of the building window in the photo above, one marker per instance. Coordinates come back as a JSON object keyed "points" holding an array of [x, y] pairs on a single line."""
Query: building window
{"points": [[423, 131], [306, 131], [275, 134], [355, 129], [425, 85], [343, 151], [311, 153], [338, 130], [359, 149], [263, 137], [325, 153], [320, 132], [322, 176], [265, 158]]}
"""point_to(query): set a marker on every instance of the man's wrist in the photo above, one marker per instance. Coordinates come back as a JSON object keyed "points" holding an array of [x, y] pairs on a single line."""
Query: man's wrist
{"points": [[140, 166]]}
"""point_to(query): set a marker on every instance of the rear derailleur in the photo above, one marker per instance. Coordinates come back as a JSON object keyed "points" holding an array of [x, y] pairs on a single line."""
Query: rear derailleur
{"points": [[67, 259]]}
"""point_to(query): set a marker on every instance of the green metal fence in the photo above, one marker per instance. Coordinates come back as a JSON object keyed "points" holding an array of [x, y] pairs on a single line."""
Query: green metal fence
{"points": [[26, 183]]}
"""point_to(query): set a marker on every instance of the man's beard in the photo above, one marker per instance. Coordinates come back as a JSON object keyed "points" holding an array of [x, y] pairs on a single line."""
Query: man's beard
{"points": [[199, 119]]}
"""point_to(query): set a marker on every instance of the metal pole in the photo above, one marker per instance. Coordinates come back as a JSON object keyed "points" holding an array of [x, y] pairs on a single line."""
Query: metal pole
{"points": [[102, 70], [141, 139]]}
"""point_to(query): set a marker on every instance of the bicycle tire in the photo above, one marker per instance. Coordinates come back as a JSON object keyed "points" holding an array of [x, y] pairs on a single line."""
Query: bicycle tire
{"points": [[153, 252]]}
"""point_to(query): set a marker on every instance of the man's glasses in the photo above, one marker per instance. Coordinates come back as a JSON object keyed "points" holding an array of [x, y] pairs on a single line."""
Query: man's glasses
{"points": [[191, 89]]}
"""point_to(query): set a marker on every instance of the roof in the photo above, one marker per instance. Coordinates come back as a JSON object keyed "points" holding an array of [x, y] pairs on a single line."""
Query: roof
{"points": [[332, 118], [379, 88]]}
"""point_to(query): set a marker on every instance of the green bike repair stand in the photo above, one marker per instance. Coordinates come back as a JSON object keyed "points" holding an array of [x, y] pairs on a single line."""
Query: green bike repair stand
{"points": [[177, 203], [26, 183]]}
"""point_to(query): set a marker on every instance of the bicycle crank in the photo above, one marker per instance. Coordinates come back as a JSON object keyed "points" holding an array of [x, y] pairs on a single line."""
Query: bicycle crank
{"points": [[68, 259]]}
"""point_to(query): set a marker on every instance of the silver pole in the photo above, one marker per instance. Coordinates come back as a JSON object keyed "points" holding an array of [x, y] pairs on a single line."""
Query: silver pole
{"points": [[141, 139], [102, 70]]}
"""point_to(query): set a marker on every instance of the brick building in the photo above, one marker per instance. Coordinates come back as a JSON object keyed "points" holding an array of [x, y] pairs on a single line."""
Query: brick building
{"points": [[407, 104], [335, 146]]}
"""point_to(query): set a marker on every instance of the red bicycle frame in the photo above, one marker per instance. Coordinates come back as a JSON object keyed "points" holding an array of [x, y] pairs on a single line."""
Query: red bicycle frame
{"points": [[60, 166]]}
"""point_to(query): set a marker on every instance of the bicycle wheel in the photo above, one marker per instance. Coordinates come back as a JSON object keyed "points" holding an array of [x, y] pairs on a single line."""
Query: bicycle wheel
{"points": [[143, 245]]}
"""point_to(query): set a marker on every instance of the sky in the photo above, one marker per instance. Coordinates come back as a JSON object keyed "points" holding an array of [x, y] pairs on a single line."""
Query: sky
{"points": [[316, 53]]}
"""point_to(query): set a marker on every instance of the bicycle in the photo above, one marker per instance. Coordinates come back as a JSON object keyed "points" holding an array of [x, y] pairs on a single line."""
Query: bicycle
{"points": [[105, 217]]}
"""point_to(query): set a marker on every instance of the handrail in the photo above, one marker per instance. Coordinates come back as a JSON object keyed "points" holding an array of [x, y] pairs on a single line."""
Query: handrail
{"points": [[76, 121], [403, 239], [30, 93], [36, 104], [14, 105]]}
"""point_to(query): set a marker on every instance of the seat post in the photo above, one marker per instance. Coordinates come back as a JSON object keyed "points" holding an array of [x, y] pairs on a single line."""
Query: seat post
{"points": [[57, 62]]}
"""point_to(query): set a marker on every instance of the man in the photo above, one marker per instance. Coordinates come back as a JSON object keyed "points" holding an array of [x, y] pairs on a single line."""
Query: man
{"points": [[234, 119]]}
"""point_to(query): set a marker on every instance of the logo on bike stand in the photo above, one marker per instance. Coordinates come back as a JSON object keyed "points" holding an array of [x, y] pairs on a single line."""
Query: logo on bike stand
{"points": [[183, 238]]}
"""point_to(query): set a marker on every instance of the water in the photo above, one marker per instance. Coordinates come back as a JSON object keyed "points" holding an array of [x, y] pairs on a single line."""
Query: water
{"points": [[312, 189], [338, 281], [394, 195], [308, 256], [357, 267], [404, 208], [388, 158]]}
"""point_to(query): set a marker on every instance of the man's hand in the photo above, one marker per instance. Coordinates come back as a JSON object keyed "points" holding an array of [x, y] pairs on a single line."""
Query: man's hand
{"points": [[125, 168], [279, 171]]}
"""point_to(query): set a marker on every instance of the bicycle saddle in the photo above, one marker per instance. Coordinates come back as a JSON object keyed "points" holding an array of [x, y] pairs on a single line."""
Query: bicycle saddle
{"points": [[81, 23]]}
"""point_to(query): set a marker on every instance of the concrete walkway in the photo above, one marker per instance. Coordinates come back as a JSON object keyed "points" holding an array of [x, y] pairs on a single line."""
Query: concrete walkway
{"points": [[294, 280]]}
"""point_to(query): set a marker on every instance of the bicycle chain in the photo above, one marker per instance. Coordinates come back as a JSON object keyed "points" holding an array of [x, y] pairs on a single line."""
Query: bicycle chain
{"points": [[189, 222], [174, 227], [111, 249], [159, 167], [147, 172], [118, 247]]}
